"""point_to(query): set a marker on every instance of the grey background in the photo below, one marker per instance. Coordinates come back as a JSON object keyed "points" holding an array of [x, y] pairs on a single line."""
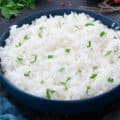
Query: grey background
{"points": [[111, 112]]}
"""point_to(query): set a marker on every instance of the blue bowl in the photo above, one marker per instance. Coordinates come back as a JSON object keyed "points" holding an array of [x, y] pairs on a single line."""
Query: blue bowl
{"points": [[61, 106]]}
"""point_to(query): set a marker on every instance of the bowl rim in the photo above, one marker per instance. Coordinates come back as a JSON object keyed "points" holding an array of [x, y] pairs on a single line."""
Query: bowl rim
{"points": [[34, 15]]}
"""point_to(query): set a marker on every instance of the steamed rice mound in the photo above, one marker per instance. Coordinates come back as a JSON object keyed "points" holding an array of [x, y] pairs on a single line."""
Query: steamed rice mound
{"points": [[63, 57]]}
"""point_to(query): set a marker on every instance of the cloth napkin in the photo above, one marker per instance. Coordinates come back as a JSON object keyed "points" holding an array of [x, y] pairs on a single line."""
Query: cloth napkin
{"points": [[8, 111]]}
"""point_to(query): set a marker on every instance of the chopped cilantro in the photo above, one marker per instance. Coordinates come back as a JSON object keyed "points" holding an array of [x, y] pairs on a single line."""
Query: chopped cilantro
{"points": [[49, 92], [108, 53], [34, 59], [110, 80], [50, 56], [64, 84], [40, 34], [89, 24], [26, 37], [87, 89], [61, 69], [42, 81], [95, 67], [93, 76], [69, 78], [89, 44], [79, 70], [102, 34], [20, 60], [67, 50], [41, 28], [27, 74], [18, 45]]}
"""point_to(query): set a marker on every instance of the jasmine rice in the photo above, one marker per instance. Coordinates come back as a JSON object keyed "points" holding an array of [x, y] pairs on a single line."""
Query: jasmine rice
{"points": [[63, 57]]}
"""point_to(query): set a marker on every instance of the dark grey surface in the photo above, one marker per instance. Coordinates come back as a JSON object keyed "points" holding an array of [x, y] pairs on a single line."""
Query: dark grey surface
{"points": [[111, 112]]}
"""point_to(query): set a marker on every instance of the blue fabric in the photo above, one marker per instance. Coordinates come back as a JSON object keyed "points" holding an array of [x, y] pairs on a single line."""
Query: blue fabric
{"points": [[8, 111]]}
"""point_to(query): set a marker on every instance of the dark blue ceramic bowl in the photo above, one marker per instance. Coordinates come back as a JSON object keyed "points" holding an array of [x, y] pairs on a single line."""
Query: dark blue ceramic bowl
{"points": [[74, 106]]}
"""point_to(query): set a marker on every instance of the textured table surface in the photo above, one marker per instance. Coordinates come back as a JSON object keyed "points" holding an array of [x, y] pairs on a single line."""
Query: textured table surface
{"points": [[111, 112]]}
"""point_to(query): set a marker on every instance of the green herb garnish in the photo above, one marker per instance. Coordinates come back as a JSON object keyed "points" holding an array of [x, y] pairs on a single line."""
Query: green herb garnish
{"points": [[26, 37], [89, 24], [49, 92], [79, 71], [68, 78], [27, 74], [87, 89], [108, 53], [41, 28], [93, 76], [20, 60], [42, 81], [34, 59], [110, 80], [65, 83], [61, 69], [67, 50], [18, 45], [95, 67], [89, 44], [11, 8], [50, 56], [40, 32], [102, 34]]}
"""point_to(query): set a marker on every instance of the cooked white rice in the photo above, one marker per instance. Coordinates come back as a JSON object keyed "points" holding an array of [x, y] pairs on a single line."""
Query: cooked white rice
{"points": [[63, 57]]}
